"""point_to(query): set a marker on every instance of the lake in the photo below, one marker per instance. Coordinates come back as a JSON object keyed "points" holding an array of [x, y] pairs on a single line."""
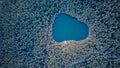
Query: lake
{"points": [[67, 28]]}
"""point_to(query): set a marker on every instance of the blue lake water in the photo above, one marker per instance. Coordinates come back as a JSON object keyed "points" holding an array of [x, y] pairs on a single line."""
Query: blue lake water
{"points": [[67, 28]]}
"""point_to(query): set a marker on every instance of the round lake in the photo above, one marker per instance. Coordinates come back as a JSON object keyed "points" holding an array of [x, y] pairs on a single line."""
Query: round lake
{"points": [[68, 28]]}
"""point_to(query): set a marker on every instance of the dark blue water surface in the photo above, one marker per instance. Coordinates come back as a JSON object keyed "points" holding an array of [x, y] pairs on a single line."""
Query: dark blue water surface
{"points": [[67, 28]]}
